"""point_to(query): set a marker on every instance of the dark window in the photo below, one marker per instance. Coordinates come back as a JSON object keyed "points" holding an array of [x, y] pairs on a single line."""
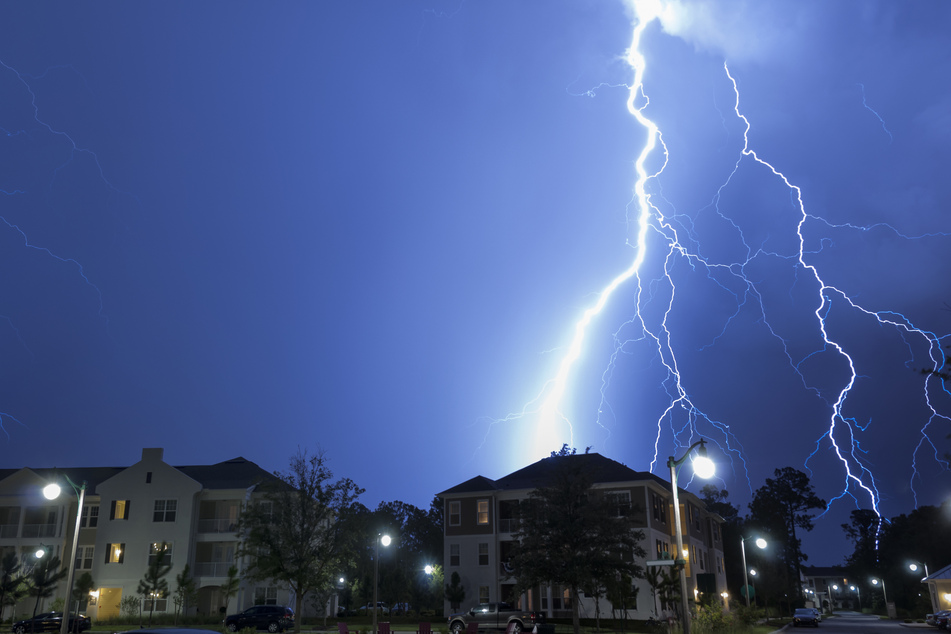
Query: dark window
{"points": [[90, 517], [483, 554], [453, 554], [148, 477], [165, 510]]}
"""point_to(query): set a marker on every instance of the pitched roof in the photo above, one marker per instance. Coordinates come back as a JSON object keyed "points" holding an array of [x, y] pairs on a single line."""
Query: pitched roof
{"points": [[237, 473], [944, 573], [602, 470]]}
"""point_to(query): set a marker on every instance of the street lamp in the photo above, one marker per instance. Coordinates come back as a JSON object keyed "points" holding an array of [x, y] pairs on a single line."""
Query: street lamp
{"points": [[704, 468], [385, 540], [832, 598], [914, 566], [859, 593], [875, 582], [760, 543], [51, 492]]}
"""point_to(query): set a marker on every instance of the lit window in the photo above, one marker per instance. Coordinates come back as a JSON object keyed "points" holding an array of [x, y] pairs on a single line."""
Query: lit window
{"points": [[455, 513], [115, 553], [483, 594], [120, 509], [483, 512], [161, 605], [163, 550]]}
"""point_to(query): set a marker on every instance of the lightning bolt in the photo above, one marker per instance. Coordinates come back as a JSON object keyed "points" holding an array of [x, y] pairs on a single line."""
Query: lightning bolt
{"points": [[673, 234]]}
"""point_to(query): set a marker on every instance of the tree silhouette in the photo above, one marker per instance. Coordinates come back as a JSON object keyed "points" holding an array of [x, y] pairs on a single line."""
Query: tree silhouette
{"points": [[153, 585]]}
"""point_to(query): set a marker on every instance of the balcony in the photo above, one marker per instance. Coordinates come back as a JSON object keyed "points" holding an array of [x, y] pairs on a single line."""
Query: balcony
{"points": [[212, 568], [39, 530], [217, 526], [508, 525], [8, 530]]}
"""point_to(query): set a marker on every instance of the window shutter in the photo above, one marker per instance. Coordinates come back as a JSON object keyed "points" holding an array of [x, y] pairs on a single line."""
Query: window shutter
{"points": [[108, 550], [112, 510], [128, 508], [121, 552]]}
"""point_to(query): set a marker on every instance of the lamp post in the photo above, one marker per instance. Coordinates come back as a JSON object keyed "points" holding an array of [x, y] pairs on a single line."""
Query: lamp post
{"points": [[875, 582], [704, 468], [832, 598], [51, 492], [760, 543], [914, 566], [385, 540], [858, 592]]}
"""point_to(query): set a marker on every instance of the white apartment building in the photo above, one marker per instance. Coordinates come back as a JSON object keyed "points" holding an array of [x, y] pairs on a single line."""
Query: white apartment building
{"points": [[481, 519], [127, 514]]}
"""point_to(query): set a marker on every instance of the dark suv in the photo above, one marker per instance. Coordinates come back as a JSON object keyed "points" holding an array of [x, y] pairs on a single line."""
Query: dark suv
{"points": [[273, 618]]}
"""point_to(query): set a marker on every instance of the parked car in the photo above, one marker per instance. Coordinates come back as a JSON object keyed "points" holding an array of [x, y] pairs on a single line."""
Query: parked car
{"points": [[273, 618], [400, 608], [941, 619], [805, 616], [818, 614], [380, 606], [52, 622], [495, 616]]}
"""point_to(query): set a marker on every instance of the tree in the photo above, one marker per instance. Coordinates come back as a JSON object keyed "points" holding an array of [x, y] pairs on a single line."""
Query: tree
{"points": [[455, 592], [230, 587], [45, 576], [571, 533], [782, 506], [153, 585], [185, 592], [81, 589], [11, 581], [299, 534]]}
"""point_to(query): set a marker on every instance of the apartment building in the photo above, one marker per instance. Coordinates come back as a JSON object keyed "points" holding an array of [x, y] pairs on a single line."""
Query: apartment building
{"points": [[128, 513], [481, 517]]}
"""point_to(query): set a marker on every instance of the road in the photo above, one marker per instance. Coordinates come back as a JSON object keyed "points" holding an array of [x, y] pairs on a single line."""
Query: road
{"points": [[855, 623]]}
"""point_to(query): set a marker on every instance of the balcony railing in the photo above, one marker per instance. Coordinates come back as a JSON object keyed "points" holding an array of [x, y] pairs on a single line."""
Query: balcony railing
{"points": [[508, 525], [8, 530], [217, 526], [212, 568], [39, 530]]}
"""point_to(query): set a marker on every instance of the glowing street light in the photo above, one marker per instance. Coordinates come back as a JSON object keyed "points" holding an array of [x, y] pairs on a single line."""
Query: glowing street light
{"points": [[428, 569], [914, 566], [857, 591], [703, 467], [51, 492], [380, 539], [875, 582], [761, 544]]}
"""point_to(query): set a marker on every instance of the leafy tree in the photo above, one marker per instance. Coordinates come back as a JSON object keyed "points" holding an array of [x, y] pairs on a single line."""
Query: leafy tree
{"points": [[130, 606], [81, 588], [455, 592], [570, 533], [11, 581], [301, 536], [44, 577], [230, 587], [185, 593], [782, 506], [153, 585]]}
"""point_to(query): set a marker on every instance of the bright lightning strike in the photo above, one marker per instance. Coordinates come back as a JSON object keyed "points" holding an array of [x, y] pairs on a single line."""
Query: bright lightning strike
{"points": [[671, 238]]}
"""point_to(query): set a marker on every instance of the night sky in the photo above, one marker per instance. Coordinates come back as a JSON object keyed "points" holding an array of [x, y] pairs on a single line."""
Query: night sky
{"points": [[236, 228]]}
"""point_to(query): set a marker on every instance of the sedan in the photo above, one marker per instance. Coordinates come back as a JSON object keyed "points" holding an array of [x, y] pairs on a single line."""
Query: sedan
{"points": [[804, 617], [52, 622]]}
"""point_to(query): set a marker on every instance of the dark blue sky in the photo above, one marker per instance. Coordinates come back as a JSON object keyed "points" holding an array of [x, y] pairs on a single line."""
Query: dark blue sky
{"points": [[239, 228]]}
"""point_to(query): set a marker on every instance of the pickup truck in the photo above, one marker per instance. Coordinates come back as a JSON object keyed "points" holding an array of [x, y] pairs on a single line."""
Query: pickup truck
{"points": [[495, 616]]}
